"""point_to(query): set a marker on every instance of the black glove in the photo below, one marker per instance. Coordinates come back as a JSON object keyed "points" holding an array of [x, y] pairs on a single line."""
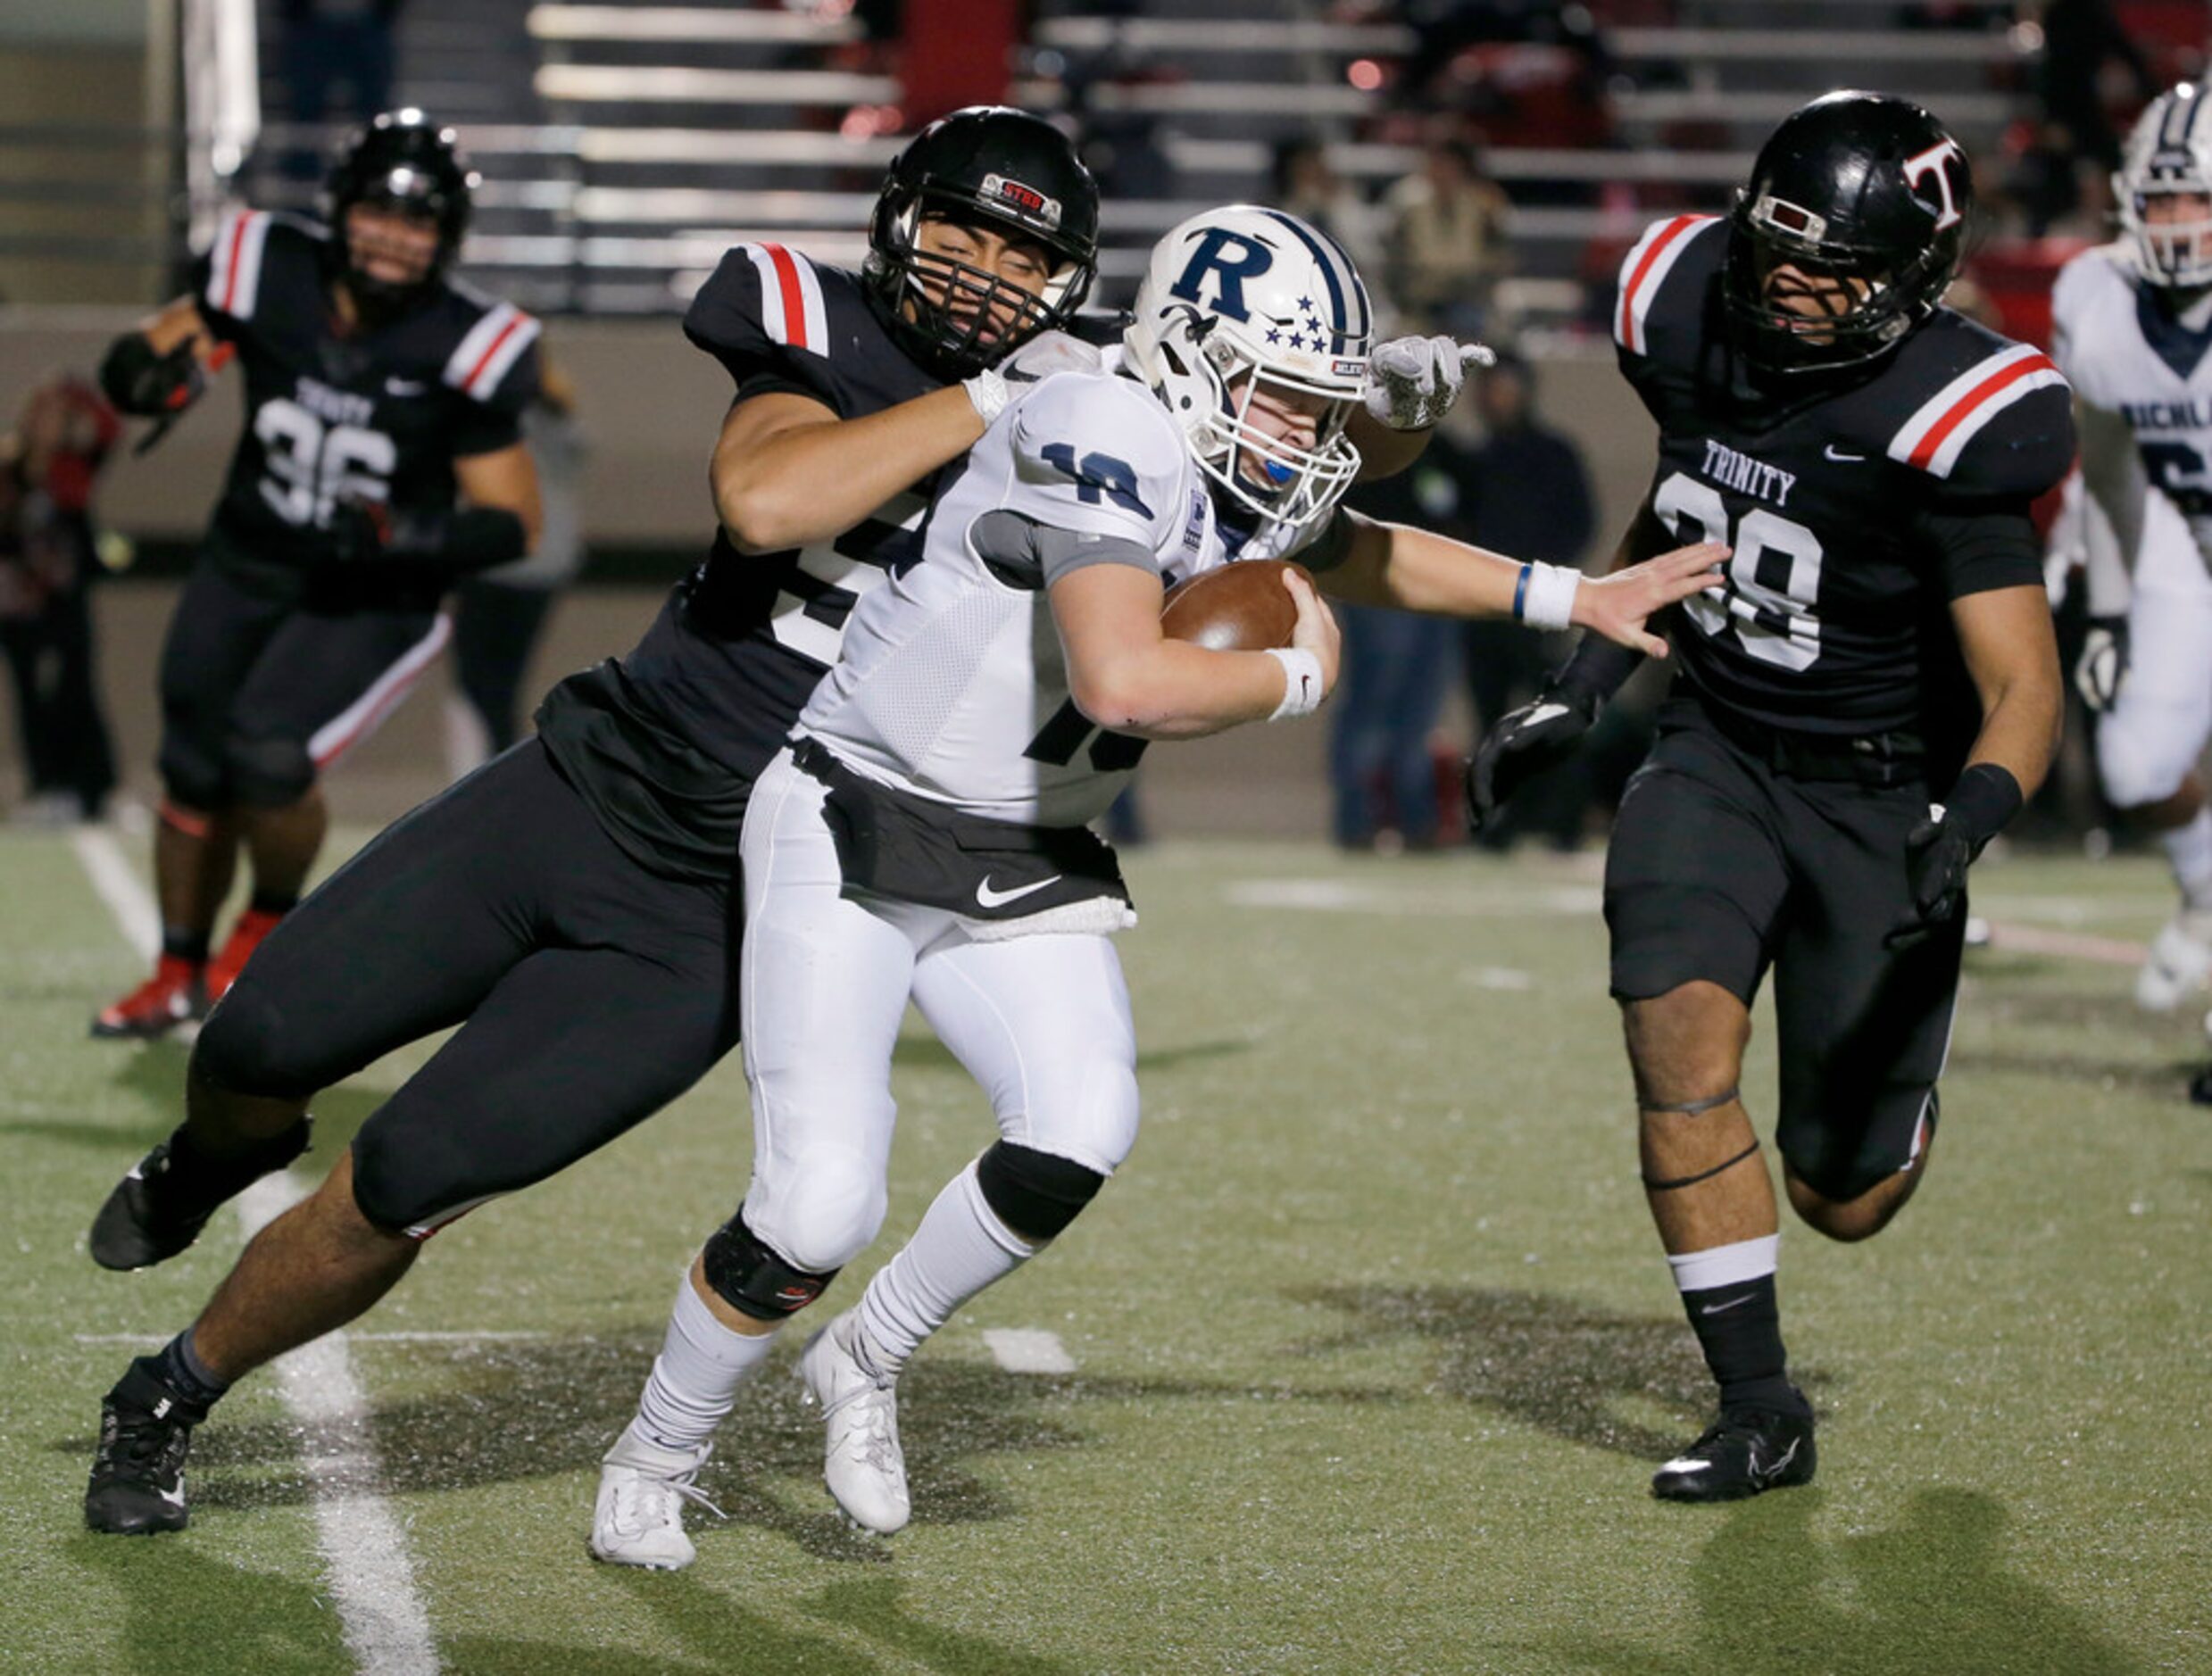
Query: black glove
{"points": [[1939, 851], [2103, 663], [138, 380], [359, 531], [1541, 734]]}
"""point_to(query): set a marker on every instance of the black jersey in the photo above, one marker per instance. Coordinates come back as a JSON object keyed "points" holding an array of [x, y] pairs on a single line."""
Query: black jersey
{"points": [[663, 741], [379, 414], [1857, 506]]}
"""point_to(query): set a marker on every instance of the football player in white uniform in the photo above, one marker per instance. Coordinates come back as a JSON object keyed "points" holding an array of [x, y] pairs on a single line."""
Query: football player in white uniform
{"points": [[2133, 321], [925, 835]]}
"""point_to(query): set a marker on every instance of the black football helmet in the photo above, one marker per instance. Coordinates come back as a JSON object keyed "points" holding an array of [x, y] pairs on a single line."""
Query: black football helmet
{"points": [[1854, 185], [995, 167], [401, 161]]}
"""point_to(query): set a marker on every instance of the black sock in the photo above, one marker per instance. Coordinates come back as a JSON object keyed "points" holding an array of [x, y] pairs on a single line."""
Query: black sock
{"points": [[180, 944], [198, 1171], [277, 902], [177, 1366], [1739, 1327]]}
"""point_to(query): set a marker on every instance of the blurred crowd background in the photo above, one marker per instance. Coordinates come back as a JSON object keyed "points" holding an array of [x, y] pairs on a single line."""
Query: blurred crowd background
{"points": [[1486, 162]]}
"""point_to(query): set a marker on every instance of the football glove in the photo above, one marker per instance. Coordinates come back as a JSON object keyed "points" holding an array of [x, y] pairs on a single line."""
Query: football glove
{"points": [[1541, 734], [2103, 663], [1939, 849], [1412, 382]]}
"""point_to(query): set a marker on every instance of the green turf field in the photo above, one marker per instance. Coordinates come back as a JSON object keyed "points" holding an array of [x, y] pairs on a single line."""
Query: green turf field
{"points": [[1373, 1347]]}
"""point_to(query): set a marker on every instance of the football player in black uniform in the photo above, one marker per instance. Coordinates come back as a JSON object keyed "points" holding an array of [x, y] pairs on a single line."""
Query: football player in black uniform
{"points": [[382, 458], [571, 906], [1823, 772]]}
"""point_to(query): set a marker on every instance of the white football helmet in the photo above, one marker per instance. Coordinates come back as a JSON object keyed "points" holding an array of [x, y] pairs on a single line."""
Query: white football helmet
{"points": [[2170, 153], [1243, 300]]}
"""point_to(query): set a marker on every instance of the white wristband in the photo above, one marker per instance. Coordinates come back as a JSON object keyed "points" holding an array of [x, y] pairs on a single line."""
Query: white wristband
{"points": [[1550, 602], [1303, 691], [987, 391]]}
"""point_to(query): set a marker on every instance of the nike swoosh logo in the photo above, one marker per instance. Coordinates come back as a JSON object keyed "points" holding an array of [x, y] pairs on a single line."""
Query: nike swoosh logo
{"points": [[1844, 460], [990, 898], [174, 1497], [403, 387], [1544, 713], [1718, 1309]]}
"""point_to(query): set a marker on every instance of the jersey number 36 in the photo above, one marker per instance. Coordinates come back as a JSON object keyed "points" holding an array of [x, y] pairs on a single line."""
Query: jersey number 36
{"points": [[312, 464]]}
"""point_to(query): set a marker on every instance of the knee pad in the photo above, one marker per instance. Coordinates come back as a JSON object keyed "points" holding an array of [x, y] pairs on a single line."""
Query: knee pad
{"points": [[748, 1276], [191, 775], [1034, 1193], [2134, 765], [268, 773], [820, 1207], [241, 1048]]}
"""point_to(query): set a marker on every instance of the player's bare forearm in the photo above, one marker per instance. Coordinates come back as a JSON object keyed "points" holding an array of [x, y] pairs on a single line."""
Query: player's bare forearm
{"points": [[178, 321], [1418, 571], [788, 470], [1384, 452], [504, 480], [1126, 676], [2012, 655]]}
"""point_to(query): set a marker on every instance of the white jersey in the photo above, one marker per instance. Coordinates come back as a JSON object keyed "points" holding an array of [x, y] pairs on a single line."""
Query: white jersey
{"points": [[2123, 351], [952, 683]]}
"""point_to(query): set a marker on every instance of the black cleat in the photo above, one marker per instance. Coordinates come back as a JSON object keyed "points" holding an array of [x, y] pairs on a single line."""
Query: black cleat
{"points": [[2201, 1087], [137, 1472], [159, 1208], [1745, 1451]]}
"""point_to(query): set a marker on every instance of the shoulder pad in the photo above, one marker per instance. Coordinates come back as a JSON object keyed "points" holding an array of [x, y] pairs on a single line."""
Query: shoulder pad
{"points": [[1644, 272], [762, 299], [2096, 286], [1095, 439], [2001, 423], [489, 349]]}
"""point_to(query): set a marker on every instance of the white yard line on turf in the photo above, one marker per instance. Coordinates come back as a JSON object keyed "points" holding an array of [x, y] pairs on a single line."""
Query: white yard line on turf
{"points": [[381, 1610], [1028, 1351]]}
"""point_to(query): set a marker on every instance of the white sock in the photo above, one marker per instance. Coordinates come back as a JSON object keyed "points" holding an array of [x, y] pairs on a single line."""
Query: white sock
{"points": [[961, 1247], [2189, 852], [696, 1375], [1725, 1265]]}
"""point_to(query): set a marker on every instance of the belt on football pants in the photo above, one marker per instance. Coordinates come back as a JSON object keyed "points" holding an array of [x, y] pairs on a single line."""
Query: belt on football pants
{"points": [[1886, 759]]}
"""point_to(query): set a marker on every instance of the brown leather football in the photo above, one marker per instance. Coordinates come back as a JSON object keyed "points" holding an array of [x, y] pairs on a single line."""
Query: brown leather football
{"points": [[1242, 606]]}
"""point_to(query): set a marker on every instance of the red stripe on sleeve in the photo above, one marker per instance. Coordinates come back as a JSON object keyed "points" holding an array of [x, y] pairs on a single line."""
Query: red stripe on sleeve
{"points": [[1675, 229], [1963, 409], [794, 299], [484, 360], [231, 281]]}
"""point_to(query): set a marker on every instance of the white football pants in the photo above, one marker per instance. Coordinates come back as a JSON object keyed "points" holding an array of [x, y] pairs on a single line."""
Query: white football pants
{"points": [[2156, 732], [1042, 1023]]}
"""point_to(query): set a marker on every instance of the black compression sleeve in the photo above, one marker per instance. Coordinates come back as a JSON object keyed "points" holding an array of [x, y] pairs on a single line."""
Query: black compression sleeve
{"points": [[478, 539], [1596, 671]]}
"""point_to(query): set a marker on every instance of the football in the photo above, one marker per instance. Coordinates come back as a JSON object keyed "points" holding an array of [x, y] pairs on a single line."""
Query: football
{"points": [[1241, 607]]}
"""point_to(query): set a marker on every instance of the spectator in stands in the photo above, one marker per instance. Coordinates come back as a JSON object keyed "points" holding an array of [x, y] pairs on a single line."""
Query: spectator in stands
{"points": [[498, 615], [1446, 242], [1526, 492], [2079, 37], [1303, 181], [48, 558]]}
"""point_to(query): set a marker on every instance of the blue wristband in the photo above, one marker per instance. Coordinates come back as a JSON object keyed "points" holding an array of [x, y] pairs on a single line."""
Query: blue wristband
{"points": [[1520, 591]]}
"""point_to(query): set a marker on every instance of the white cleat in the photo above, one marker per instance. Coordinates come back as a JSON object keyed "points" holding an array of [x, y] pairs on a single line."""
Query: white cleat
{"points": [[2179, 961], [639, 1520], [862, 1462]]}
